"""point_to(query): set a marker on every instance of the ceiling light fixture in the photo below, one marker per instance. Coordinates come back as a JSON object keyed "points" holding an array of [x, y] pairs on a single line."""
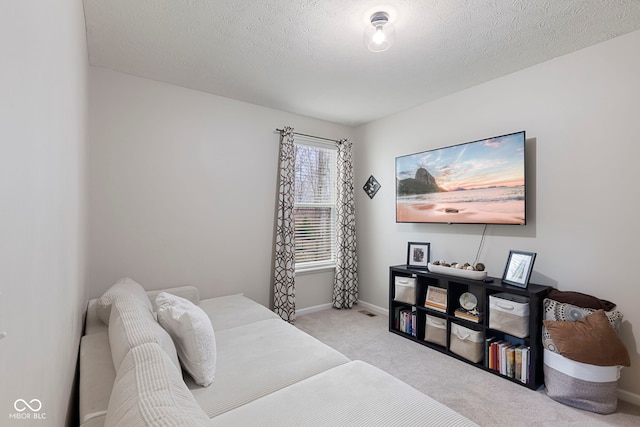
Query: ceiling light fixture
{"points": [[380, 34]]}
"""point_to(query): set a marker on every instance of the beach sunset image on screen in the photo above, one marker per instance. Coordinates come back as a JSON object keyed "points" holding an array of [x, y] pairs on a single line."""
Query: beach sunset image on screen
{"points": [[479, 182]]}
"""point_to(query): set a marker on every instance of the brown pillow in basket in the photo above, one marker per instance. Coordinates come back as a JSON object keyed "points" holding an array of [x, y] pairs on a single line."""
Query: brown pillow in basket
{"points": [[581, 300], [590, 340]]}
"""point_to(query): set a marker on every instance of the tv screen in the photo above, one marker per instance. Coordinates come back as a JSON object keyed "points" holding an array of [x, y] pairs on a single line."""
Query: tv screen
{"points": [[478, 182]]}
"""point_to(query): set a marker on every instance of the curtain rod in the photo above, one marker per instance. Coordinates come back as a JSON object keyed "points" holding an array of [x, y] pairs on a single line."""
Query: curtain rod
{"points": [[310, 136]]}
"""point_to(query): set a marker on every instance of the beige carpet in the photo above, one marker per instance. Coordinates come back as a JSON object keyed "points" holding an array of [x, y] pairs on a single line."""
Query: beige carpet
{"points": [[480, 396]]}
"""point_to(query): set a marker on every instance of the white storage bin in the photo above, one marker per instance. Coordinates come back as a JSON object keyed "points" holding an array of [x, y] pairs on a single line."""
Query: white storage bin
{"points": [[435, 330], [405, 289], [466, 342], [509, 313]]}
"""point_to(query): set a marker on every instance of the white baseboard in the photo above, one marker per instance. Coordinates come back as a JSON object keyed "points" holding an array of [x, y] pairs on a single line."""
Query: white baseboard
{"points": [[627, 396], [368, 306], [374, 308], [313, 309]]}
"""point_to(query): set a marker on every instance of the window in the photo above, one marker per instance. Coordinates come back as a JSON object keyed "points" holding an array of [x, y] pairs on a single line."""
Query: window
{"points": [[315, 205]]}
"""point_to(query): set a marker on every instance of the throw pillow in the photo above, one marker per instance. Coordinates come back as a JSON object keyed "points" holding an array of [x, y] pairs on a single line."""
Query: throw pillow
{"points": [[554, 310], [130, 326], [590, 340], [192, 333], [581, 300], [126, 286]]}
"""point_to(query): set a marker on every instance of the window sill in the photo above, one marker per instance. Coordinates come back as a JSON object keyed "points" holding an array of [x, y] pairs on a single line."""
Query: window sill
{"points": [[315, 269]]}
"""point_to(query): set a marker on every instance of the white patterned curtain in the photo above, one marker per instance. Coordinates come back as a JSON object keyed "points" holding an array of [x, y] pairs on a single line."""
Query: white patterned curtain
{"points": [[345, 286], [284, 296]]}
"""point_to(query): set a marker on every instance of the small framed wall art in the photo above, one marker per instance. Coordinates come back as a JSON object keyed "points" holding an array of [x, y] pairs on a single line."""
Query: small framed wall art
{"points": [[518, 268], [371, 187], [418, 255]]}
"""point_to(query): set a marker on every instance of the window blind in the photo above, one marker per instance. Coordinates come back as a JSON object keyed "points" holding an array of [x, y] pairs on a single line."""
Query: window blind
{"points": [[314, 205]]}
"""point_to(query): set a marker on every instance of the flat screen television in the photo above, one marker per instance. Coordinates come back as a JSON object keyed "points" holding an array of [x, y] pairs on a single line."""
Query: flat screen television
{"points": [[478, 182]]}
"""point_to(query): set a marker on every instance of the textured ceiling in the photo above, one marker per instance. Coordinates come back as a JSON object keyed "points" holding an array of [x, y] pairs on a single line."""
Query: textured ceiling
{"points": [[308, 56]]}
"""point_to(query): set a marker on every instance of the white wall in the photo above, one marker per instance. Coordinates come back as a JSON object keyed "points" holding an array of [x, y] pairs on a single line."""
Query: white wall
{"points": [[43, 82], [183, 189], [580, 112]]}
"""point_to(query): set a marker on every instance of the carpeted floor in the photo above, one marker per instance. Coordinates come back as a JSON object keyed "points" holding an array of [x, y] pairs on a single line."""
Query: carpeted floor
{"points": [[480, 396]]}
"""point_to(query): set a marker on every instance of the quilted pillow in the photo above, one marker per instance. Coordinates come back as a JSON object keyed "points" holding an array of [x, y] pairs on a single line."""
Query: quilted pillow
{"points": [[130, 326], [590, 340], [554, 310], [581, 300], [149, 391], [192, 333], [122, 286]]}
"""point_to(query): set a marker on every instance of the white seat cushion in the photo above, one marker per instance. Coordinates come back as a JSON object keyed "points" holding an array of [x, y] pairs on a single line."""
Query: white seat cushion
{"points": [[192, 333], [232, 311], [96, 376], [353, 394], [259, 358]]}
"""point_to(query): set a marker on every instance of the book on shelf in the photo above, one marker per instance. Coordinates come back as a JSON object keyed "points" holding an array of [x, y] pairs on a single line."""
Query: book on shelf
{"points": [[406, 321], [524, 374], [503, 357], [494, 354], [396, 318], [487, 351], [436, 298], [518, 363], [510, 361], [467, 315]]}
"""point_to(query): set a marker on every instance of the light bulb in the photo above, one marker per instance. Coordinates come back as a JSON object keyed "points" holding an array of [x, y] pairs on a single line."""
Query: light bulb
{"points": [[379, 37]]}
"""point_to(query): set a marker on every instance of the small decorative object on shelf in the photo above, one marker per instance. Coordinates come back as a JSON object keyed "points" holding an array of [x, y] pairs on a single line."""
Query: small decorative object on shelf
{"points": [[371, 187], [418, 255], [468, 309], [459, 270], [518, 269], [436, 298], [467, 315]]}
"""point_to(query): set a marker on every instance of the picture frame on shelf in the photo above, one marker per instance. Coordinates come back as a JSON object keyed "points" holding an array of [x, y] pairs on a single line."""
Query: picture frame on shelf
{"points": [[518, 269], [436, 298], [418, 255]]}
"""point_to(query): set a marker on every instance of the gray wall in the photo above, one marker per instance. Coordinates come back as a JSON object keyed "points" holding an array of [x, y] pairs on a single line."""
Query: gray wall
{"points": [[43, 119], [580, 112], [183, 189]]}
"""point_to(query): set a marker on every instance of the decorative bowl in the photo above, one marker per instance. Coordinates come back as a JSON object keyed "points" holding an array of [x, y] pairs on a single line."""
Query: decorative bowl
{"points": [[458, 272]]}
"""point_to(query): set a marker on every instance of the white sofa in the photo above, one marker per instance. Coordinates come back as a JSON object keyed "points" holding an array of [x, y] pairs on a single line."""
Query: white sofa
{"points": [[267, 373]]}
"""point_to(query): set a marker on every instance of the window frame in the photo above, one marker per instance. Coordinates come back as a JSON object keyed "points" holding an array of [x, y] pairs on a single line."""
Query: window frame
{"points": [[314, 266]]}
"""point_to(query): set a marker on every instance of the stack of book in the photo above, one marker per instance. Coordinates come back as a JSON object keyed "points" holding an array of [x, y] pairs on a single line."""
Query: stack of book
{"points": [[472, 316], [511, 360], [405, 321]]}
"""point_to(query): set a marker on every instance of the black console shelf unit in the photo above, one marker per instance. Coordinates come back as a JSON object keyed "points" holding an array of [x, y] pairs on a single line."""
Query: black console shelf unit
{"points": [[455, 286]]}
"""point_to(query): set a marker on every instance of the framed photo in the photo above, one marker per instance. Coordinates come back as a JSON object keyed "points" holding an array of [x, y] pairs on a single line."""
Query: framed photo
{"points": [[518, 269], [418, 255], [436, 298]]}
